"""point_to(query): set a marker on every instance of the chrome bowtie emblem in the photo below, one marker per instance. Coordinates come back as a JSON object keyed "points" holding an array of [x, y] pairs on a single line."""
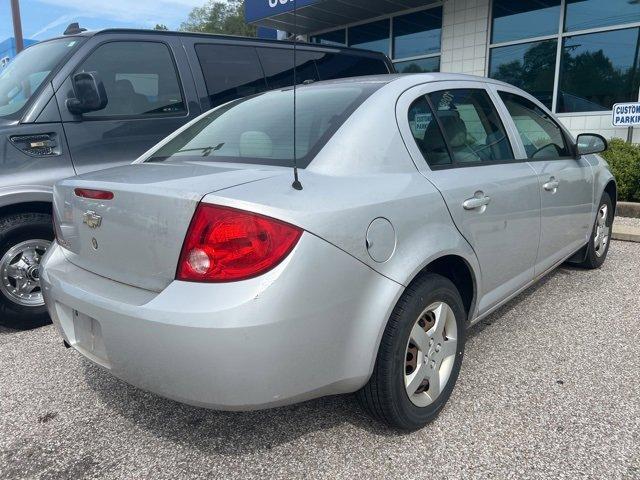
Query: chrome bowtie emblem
{"points": [[92, 219]]}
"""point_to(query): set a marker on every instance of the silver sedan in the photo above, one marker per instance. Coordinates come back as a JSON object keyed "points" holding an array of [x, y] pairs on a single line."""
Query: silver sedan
{"points": [[205, 274]]}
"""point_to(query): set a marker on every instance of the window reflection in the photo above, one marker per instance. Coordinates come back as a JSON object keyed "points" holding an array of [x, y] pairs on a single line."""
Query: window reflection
{"points": [[598, 70], [371, 36], [513, 20], [584, 14], [417, 33], [424, 65], [529, 66], [337, 38]]}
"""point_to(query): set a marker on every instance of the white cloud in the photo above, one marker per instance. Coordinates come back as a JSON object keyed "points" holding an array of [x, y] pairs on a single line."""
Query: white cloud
{"points": [[137, 12], [61, 20]]}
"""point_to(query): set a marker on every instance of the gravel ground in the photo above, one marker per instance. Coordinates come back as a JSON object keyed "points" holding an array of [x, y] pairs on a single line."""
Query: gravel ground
{"points": [[549, 389], [627, 221]]}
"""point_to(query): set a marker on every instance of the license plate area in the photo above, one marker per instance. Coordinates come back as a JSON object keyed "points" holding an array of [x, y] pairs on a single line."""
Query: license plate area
{"points": [[88, 338]]}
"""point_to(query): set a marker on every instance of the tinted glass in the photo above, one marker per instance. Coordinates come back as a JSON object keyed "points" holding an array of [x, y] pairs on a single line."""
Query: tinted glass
{"points": [[371, 36], [541, 136], [24, 74], [278, 66], [424, 65], [471, 126], [230, 72], [598, 70], [337, 37], [529, 66], [139, 77], [259, 129], [517, 19], [333, 65], [417, 33], [427, 134], [583, 14]]}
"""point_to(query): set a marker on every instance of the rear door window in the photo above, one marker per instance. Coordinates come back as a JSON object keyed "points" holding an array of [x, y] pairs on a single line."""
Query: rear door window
{"points": [[230, 72], [278, 66], [427, 134], [471, 126], [542, 137], [140, 78]]}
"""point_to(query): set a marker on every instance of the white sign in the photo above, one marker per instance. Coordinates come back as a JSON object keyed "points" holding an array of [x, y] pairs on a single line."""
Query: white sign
{"points": [[625, 114]]}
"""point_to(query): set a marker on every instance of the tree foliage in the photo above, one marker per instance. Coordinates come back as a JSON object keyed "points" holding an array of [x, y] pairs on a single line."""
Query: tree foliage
{"points": [[624, 161], [216, 16]]}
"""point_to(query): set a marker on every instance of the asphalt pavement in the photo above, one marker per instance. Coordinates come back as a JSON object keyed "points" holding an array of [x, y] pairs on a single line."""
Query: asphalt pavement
{"points": [[549, 388]]}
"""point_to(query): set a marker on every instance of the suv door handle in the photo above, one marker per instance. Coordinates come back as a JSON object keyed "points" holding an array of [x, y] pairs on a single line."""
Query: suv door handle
{"points": [[479, 200], [551, 185]]}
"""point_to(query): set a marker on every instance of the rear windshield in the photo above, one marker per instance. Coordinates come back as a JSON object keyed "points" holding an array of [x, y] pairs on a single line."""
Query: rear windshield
{"points": [[260, 129]]}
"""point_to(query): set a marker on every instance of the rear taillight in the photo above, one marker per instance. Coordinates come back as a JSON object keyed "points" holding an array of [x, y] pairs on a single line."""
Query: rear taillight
{"points": [[93, 194], [224, 244]]}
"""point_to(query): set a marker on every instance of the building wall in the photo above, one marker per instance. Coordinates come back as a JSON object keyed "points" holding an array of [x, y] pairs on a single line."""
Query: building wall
{"points": [[465, 37]]}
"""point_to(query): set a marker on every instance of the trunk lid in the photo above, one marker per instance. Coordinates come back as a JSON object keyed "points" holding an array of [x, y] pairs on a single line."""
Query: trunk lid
{"points": [[136, 237]]}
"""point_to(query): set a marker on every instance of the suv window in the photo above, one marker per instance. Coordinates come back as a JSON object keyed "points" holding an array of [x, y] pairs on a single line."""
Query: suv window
{"points": [[278, 66], [471, 126], [541, 136], [331, 66], [427, 133], [139, 77], [230, 72]]}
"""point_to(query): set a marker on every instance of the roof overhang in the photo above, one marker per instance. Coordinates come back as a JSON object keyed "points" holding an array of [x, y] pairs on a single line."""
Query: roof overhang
{"points": [[316, 15]]}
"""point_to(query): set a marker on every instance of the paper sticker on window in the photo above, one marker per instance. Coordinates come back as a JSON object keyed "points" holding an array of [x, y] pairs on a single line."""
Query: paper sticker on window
{"points": [[422, 121]]}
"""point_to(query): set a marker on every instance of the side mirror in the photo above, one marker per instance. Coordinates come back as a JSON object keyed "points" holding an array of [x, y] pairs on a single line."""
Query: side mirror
{"points": [[588, 143], [90, 93]]}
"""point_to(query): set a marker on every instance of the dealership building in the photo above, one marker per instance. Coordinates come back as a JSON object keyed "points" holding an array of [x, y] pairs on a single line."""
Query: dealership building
{"points": [[578, 57]]}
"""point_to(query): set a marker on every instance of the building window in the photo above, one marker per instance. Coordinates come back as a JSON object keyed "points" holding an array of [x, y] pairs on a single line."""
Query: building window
{"points": [[422, 65], [599, 61], [371, 36], [336, 38], [515, 20], [598, 70], [417, 33], [585, 14], [529, 66]]}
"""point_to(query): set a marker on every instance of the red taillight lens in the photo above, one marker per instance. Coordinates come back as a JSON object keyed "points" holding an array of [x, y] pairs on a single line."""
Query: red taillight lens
{"points": [[93, 194], [225, 244]]}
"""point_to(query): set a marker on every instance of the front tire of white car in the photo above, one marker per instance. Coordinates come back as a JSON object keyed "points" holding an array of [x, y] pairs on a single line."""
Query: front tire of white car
{"points": [[419, 356], [600, 239]]}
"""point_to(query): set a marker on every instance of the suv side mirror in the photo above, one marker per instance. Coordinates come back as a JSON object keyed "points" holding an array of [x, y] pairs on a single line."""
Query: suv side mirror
{"points": [[90, 93], [588, 143]]}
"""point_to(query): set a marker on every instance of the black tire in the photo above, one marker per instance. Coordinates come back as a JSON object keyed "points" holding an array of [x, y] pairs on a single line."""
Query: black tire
{"points": [[14, 229], [592, 259], [385, 396]]}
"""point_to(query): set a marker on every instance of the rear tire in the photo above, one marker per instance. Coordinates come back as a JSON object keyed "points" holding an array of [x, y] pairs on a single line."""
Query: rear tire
{"points": [[431, 305], [600, 238], [31, 234]]}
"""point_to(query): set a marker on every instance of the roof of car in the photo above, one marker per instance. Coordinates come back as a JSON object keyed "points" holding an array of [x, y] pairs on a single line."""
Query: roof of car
{"points": [[91, 33], [412, 78]]}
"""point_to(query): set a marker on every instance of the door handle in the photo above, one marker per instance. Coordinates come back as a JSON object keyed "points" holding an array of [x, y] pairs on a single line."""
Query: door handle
{"points": [[479, 200], [551, 185]]}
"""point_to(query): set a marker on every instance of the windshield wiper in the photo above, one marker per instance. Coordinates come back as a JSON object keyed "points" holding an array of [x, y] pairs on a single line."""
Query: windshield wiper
{"points": [[206, 151]]}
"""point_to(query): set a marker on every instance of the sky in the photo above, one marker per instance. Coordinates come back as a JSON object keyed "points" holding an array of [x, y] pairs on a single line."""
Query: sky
{"points": [[42, 19]]}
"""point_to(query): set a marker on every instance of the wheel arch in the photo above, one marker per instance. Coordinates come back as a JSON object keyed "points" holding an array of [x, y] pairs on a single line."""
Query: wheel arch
{"points": [[457, 269], [26, 200], [612, 190]]}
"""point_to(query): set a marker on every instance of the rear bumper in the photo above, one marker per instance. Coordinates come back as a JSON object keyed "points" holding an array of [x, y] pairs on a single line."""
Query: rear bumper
{"points": [[308, 328]]}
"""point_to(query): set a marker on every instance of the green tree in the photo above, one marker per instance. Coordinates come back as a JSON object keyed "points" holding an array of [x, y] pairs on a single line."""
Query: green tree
{"points": [[160, 26], [217, 16]]}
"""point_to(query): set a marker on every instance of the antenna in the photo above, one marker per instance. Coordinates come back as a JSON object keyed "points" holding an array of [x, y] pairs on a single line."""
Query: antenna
{"points": [[296, 182]]}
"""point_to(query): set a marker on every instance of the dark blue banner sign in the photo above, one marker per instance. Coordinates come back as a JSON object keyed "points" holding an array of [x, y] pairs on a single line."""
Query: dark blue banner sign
{"points": [[258, 9]]}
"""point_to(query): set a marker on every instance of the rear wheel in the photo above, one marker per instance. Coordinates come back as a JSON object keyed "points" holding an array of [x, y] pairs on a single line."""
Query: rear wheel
{"points": [[598, 246], [419, 357], [24, 239]]}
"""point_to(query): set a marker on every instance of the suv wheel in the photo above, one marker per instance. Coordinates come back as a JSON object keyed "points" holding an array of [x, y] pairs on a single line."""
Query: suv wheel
{"points": [[24, 239], [419, 356]]}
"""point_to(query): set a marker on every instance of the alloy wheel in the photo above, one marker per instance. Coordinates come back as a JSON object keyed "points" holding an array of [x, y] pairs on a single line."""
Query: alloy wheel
{"points": [[20, 272]]}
